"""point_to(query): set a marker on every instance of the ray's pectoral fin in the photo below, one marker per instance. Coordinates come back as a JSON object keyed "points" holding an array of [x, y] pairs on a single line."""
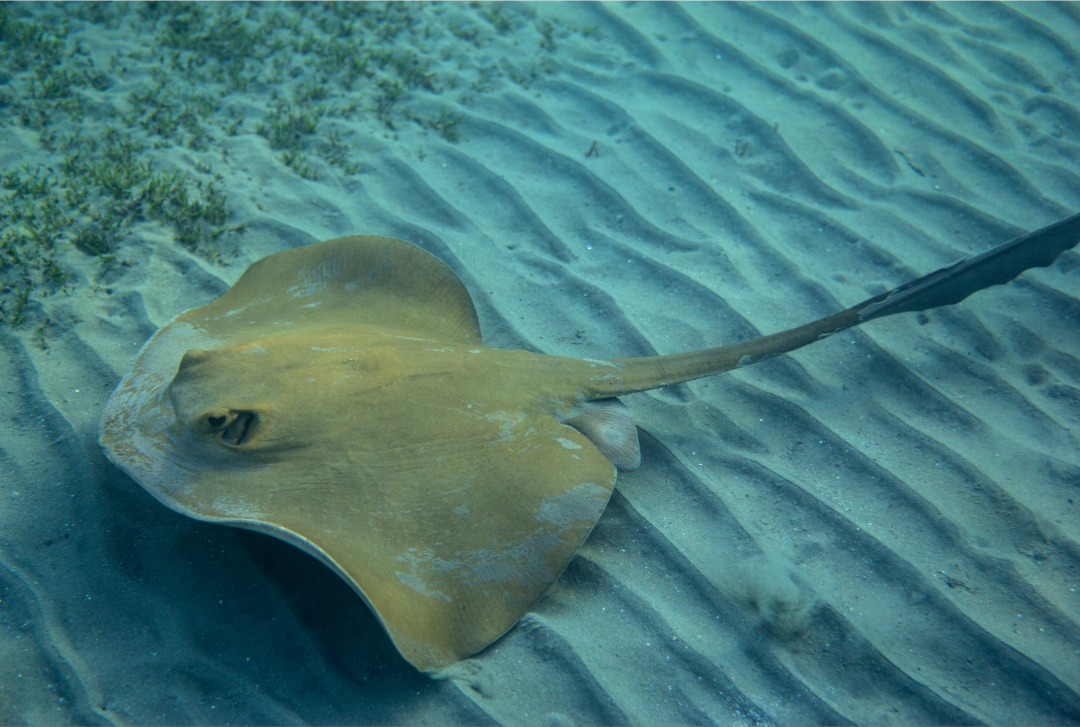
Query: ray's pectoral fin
{"points": [[609, 425]]}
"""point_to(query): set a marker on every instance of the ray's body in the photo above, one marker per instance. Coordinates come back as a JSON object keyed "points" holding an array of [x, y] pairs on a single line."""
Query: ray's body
{"points": [[339, 397]]}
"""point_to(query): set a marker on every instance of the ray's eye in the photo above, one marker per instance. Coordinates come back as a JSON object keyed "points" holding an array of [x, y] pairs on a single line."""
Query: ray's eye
{"points": [[235, 434], [232, 427]]}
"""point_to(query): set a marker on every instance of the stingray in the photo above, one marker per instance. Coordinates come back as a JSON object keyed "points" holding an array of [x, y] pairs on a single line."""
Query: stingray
{"points": [[338, 397]]}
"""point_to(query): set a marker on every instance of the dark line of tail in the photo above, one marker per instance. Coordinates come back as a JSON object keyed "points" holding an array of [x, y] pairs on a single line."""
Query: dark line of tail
{"points": [[946, 286]]}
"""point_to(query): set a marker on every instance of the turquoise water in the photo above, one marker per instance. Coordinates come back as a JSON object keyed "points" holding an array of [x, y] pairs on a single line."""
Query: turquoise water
{"points": [[879, 528]]}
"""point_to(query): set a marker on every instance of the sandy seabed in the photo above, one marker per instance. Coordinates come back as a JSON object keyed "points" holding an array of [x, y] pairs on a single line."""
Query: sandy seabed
{"points": [[882, 528]]}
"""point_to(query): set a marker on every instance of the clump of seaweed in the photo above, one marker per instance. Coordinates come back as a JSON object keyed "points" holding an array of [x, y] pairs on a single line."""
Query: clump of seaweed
{"points": [[33, 224], [285, 126], [293, 74], [446, 123], [100, 178]]}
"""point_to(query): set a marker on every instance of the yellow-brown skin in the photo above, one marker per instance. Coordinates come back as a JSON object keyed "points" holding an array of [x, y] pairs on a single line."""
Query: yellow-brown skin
{"points": [[430, 472], [431, 458], [338, 397]]}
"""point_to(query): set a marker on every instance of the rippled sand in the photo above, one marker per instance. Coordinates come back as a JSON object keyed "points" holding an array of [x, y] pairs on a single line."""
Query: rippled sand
{"points": [[882, 528]]}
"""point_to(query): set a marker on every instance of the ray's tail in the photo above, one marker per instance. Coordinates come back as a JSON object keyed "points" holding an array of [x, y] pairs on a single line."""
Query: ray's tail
{"points": [[946, 286]]}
